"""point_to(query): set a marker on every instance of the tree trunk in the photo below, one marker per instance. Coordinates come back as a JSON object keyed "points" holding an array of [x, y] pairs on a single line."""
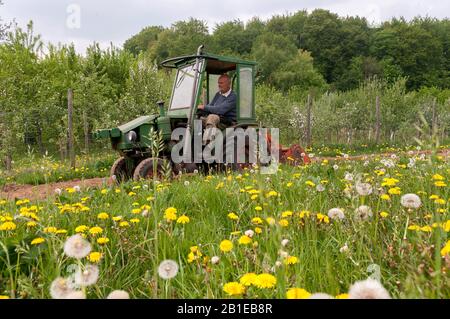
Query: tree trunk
{"points": [[8, 161], [70, 124], [308, 121], [86, 133], [378, 120]]}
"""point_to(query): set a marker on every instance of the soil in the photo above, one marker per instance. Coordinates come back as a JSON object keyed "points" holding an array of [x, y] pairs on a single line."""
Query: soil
{"points": [[47, 191]]}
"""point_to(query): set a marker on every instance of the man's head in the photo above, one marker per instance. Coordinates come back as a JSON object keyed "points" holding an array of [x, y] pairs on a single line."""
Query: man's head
{"points": [[224, 83]]}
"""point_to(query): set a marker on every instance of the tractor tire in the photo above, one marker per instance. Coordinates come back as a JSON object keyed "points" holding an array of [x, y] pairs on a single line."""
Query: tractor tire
{"points": [[121, 170], [145, 169]]}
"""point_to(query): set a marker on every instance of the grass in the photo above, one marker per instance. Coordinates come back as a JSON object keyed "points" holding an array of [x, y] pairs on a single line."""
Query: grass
{"points": [[408, 268], [35, 170]]}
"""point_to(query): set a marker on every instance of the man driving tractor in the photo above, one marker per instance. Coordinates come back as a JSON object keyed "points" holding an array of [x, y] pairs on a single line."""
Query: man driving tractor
{"points": [[222, 109]]}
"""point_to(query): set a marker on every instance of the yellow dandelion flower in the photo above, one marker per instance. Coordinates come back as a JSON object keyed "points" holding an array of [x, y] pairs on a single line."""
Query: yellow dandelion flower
{"points": [[102, 240], [394, 191], [385, 197], [233, 216], [297, 293], [226, 245], [342, 296], [258, 230], [271, 194], [270, 221], [440, 184], [234, 288], [183, 219], [103, 216], [321, 218], [258, 208], [31, 224], [290, 260], [413, 227], [81, 229], [257, 220], [94, 257], [438, 177], [287, 213], [124, 224], [104, 191], [170, 214], [95, 230], [135, 220], [136, 211], [117, 218], [426, 229], [50, 230], [244, 240], [384, 214], [248, 279], [37, 241], [283, 222], [446, 249], [310, 183], [265, 281], [8, 226]]}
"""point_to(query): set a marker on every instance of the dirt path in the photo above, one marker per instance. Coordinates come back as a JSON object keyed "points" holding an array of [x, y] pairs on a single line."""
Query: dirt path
{"points": [[39, 192]]}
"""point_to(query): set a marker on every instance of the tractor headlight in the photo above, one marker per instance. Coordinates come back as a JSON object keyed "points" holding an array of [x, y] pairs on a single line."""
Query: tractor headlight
{"points": [[131, 136]]}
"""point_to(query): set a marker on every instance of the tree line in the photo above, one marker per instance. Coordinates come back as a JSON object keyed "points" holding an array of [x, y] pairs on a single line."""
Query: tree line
{"points": [[345, 50]]}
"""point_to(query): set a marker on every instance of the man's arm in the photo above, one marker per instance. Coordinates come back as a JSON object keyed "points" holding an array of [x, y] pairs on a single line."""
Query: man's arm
{"points": [[224, 107]]}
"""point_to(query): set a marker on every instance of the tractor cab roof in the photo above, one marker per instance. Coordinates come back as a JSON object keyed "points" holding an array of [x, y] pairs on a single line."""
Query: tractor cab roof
{"points": [[215, 64]]}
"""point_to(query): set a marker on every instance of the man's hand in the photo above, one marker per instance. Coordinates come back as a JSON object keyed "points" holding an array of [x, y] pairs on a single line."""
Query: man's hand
{"points": [[201, 107]]}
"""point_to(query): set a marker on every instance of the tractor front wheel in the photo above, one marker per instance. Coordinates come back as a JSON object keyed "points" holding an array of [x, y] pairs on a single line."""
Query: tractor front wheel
{"points": [[148, 167], [122, 169]]}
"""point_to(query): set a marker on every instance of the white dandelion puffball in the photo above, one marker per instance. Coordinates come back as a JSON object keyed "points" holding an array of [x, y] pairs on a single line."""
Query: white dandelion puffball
{"points": [[320, 188], [411, 201], [348, 177], [320, 295], [368, 289], [363, 212], [344, 248], [336, 213], [283, 254], [145, 213], [58, 191], [284, 242], [77, 188], [59, 289], [168, 269], [249, 233], [278, 263], [88, 276], [77, 247], [215, 260], [76, 295], [335, 167], [118, 294], [363, 189], [186, 183]]}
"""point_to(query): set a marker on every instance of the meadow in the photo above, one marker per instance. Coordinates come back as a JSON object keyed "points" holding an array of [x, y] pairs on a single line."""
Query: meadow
{"points": [[306, 230]]}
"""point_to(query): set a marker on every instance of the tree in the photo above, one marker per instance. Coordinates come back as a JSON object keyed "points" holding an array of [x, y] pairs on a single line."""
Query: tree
{"points": [[3, 27], [272, 51], [298, 73], [144, 40], [181, 39], [229, 37]]}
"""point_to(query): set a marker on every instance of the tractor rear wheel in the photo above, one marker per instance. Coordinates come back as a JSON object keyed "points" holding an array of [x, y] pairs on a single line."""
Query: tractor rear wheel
{"points": [[122, 169], [146, 168]]}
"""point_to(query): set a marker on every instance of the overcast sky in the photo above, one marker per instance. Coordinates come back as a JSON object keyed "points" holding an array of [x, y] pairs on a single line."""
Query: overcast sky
{"points": [[115, 21]]}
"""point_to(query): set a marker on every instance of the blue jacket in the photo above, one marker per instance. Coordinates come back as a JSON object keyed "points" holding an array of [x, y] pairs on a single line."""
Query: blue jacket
{"points": [[225, 106]]}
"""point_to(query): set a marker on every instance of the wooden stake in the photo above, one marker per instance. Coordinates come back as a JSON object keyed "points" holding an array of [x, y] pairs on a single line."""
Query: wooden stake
{"points": [[70, 124]]}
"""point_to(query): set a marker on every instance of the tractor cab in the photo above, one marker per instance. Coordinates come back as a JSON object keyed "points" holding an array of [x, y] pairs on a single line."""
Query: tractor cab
{"points": [[196, 83]]}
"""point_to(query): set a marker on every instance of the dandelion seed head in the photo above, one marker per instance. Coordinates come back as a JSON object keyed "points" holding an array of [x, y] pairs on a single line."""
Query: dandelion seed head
{"points": [[118, 294], [59, 288], [363, 189], [411, 201], [77, 247], [215, 260], [320, 295], [363, 212], [368, 289], [88, 276], [168, 269], [336, 213]]}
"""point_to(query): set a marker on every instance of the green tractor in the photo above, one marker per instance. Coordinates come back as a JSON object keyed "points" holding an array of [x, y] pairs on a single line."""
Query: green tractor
{"points": [[195, 82]]}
